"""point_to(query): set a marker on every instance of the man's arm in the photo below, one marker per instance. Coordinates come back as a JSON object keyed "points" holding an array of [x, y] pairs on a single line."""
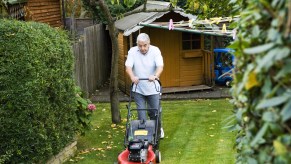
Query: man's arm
{"points": [[133, 78], [157, 74], [159, 71]]}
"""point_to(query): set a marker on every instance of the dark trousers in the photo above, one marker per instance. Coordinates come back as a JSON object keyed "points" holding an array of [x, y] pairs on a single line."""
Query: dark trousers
{"points": [[148, 102]]}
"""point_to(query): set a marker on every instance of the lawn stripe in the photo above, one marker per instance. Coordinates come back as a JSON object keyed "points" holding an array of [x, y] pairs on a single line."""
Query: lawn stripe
{"points": [[199, 140]]}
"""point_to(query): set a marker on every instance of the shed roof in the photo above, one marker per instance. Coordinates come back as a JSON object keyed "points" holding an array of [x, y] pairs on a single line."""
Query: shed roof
{"points": [[130, 24], [213, 26]]}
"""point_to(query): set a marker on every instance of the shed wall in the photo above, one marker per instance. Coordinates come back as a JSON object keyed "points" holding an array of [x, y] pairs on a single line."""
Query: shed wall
{"points": [[181, 68], [121, 67], [45, 11]]}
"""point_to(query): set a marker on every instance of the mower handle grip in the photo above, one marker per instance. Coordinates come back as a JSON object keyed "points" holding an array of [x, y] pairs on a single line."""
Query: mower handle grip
{"points": [[147, 79]]}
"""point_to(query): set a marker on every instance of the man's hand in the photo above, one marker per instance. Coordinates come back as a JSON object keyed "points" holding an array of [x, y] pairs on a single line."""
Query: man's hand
{"points": [[134, 79], [153, 77]]}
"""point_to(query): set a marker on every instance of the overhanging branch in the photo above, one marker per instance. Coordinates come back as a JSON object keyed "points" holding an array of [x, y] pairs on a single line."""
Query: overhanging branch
{"points": [[94, 3], [151, 10], [145, 5]]}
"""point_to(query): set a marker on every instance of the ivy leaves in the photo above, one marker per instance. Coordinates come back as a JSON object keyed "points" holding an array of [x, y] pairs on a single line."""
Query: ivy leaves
{"points": [[262, 92]]}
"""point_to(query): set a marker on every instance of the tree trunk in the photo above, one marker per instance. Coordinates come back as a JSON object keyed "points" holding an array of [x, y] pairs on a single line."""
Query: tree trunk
{"points": [[113, 88], [114, 100]]}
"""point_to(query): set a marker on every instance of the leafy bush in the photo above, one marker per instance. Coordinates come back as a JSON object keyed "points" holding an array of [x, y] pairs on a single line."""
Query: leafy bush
{"points": [[262, 90], [38, 101]]}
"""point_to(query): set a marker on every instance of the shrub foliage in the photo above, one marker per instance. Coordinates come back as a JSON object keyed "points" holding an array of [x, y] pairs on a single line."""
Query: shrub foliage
{"points": [[37, 112], [262, 90]]}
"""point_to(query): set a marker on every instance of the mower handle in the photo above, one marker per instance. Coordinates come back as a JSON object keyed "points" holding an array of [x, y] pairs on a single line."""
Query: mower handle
{"points": [[157, 79], [147, 79], [131, 87], [147, 109]]}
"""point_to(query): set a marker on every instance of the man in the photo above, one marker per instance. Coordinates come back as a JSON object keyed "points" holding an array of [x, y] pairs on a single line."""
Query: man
{"points": [[145, 61]]}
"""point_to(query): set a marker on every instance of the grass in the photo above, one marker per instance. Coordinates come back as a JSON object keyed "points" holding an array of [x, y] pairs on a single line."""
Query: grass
{"points": [[194, 133]]}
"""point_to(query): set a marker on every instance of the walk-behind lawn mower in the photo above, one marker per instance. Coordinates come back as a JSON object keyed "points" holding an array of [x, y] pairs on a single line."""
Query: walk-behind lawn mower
{"points": [[142, 137]]}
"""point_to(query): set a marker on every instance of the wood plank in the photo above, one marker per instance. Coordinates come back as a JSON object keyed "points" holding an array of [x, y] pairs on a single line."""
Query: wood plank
{"points": [[47, 18], [46, 14], [56, 25], [52, 22], [192, 73], [49, 5], [191, 68], [185, 89], [192, 54], [35, 4], [37, 1], [191, 83], [45, 10]]}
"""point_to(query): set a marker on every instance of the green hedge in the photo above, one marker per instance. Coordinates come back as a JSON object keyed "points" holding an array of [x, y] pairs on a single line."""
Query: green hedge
{"points": [[262, 86], [38, 102]]}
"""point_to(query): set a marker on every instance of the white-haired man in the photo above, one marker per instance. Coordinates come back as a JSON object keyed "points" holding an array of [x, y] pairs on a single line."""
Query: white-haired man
{"points": [[145, 61]]}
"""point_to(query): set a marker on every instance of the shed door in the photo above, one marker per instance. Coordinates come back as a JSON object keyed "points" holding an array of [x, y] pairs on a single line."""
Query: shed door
{"points": [[168, 42], [191, 60]]}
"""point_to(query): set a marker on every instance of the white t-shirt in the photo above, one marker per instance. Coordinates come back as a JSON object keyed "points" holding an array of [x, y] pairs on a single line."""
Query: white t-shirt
{"points": [[143, 66]]}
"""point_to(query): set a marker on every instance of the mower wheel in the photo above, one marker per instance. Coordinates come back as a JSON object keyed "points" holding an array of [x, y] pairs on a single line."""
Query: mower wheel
{"points": [[158, 156]]}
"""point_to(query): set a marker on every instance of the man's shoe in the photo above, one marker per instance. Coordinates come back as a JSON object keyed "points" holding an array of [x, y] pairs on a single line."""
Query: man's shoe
{"points": [[162, 133]]}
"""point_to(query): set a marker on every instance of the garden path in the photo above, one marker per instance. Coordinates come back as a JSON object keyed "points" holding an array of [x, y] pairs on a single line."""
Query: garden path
{"points": [[102, 95]]}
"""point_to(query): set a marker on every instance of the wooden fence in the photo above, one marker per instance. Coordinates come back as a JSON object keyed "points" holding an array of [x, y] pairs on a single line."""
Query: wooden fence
{"points": [[92, 60], [77, 25]]}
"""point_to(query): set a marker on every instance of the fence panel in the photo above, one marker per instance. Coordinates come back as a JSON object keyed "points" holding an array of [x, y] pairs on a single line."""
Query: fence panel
{"points": [[92, 66]]}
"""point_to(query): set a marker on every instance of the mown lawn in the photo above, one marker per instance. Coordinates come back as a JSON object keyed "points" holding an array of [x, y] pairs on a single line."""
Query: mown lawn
{"points": [[194, 133]]}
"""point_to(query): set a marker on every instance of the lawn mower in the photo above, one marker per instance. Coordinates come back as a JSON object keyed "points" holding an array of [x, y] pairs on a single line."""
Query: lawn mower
{"points": [[142, 137]]}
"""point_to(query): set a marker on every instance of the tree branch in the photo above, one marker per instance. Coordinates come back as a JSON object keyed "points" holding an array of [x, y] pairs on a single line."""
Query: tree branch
{"points": [[93, 4], [288, 24], [151, 10], [269, 10], [105, 10], [287, 128], [145, 5]]}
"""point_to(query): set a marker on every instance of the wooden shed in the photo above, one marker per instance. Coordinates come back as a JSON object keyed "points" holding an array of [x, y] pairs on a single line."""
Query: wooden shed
{"points": [[188, 57], [45, 11]]}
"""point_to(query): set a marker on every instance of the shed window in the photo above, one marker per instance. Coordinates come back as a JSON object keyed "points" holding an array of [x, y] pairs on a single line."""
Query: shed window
{"points": [[191, 41]]}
